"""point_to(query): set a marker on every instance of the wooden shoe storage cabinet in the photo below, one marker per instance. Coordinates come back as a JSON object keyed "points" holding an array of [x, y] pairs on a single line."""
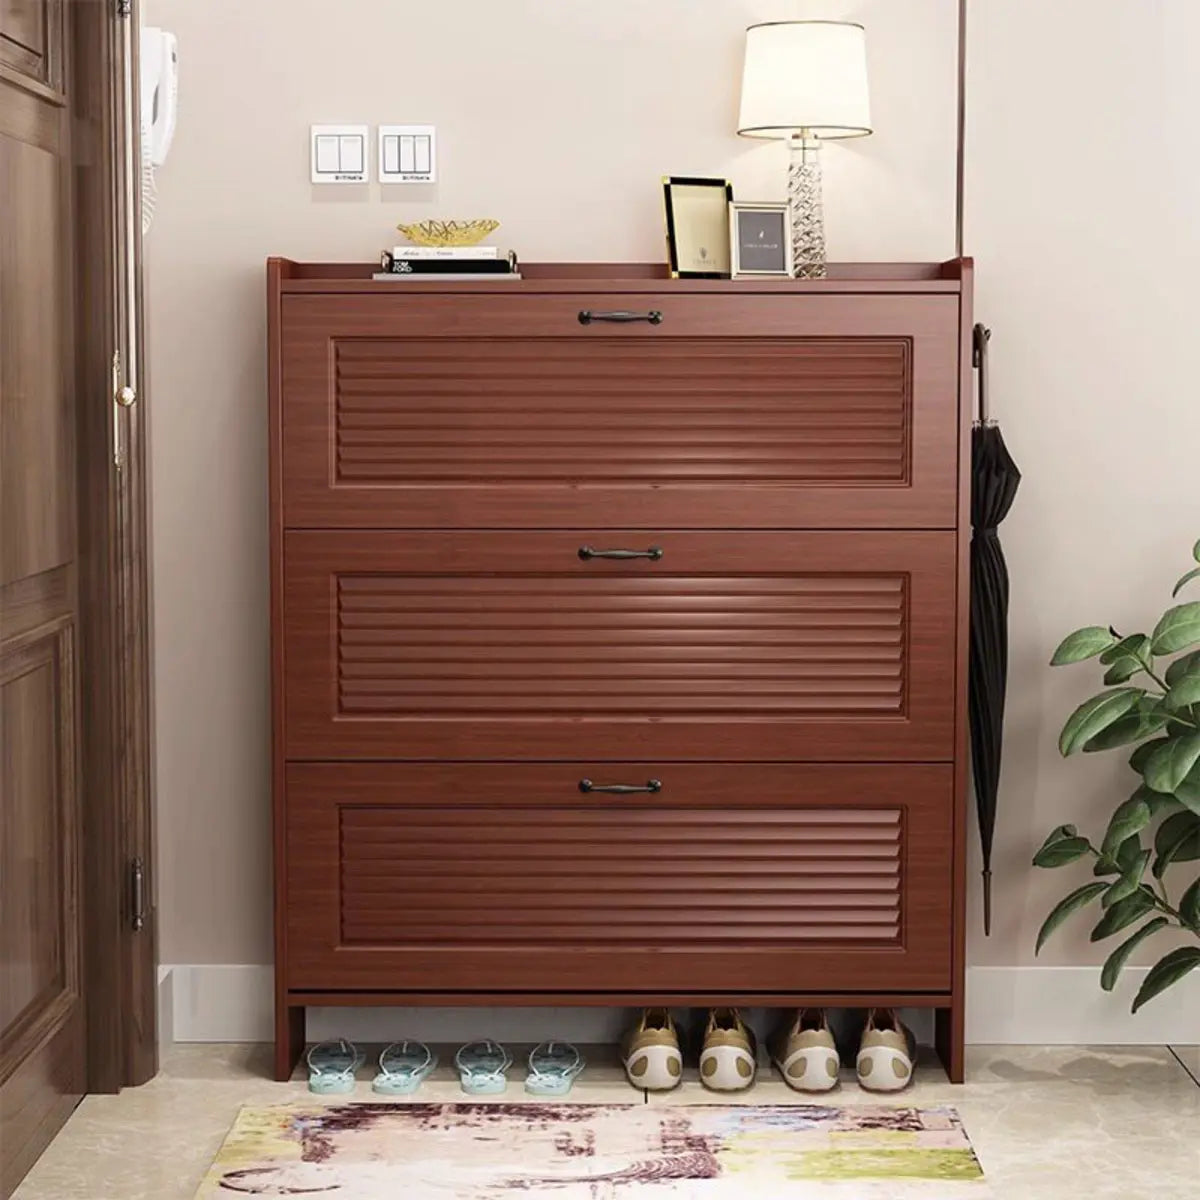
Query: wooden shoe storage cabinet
{"points": [[618, 634]]}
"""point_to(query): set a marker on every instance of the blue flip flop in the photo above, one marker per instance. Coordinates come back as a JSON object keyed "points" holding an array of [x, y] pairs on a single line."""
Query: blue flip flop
{"points": [[402, 1068], [331, 1067], [482, 1067], [553, 1068]]}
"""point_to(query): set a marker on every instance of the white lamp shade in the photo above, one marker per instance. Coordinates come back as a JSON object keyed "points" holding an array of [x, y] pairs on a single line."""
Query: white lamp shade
{"points": [[805, 75]]}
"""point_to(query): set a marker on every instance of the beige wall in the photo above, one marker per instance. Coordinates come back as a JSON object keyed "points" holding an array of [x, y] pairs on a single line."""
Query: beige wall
{"points": [[596, 101], [1082, 201]]}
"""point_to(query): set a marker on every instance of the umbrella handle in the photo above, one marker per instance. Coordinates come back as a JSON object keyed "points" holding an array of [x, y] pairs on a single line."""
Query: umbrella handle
{"points": [[980, 336]]}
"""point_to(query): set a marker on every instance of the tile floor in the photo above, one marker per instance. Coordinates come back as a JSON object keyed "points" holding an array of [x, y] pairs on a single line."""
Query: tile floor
{"points": [[1048, 1123]]}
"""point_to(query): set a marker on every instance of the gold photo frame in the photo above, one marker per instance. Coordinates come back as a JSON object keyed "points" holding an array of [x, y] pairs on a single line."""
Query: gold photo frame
{"points": [[698, 226]]}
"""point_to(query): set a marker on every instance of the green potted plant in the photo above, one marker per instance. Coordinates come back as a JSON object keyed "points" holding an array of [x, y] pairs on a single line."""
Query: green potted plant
{"points": [[1151, 702]]}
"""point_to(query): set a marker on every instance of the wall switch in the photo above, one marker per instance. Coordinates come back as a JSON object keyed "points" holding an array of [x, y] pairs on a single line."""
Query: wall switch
{"points": [[407, 154], [339, 154]]}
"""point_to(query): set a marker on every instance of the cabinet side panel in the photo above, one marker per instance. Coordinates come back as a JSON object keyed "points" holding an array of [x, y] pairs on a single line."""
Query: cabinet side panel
{"points": [[289, 1031]]}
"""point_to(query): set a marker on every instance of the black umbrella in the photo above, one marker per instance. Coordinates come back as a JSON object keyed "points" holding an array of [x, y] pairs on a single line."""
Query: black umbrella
{"points": [[994, 480]]}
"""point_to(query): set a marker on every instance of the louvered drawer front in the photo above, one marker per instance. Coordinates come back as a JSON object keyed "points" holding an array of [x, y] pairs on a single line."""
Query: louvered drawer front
{"points": [[505, 411], [801, 875], [741, 646], [634, 876], [687, 411], [596, 646]]}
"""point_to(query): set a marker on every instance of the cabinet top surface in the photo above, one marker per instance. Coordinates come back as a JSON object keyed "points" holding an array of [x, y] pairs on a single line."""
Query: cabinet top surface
{"points": [[949, 277]]}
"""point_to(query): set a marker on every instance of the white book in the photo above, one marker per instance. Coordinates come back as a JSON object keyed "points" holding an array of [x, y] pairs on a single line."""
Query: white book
{"points": [[446, 277], [445, 251]]}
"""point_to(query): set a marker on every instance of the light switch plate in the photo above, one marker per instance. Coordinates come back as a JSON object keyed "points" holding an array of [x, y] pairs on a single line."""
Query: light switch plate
{"points": [[407, 154], [339, 154]]}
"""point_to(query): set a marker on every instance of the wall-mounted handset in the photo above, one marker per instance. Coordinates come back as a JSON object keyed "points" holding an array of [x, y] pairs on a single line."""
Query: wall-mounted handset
{"points": [[160, 93]]}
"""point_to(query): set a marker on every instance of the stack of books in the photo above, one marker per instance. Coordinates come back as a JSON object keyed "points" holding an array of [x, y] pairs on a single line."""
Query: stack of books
{"points": [[432, 264]]}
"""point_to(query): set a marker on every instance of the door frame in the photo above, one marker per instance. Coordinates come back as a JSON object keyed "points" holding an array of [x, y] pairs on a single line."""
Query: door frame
{"points": [[115, 691]]}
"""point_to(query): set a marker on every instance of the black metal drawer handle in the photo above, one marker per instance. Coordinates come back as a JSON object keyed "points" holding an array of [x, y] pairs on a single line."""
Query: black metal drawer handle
{"points": [[620, 789], [654, 553], [621, 317]]}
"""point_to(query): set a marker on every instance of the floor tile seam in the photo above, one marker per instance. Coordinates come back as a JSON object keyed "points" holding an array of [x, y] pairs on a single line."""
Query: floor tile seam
{"points": [[1185, 1068]]}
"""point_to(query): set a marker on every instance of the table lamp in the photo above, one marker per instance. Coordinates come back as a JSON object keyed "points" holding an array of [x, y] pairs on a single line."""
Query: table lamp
{"points": [[805, 81]]}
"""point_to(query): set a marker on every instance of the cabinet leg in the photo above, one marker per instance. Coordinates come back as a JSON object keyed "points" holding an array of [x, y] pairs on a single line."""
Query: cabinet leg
{"points": [[949, 1033], [289, 1039]]}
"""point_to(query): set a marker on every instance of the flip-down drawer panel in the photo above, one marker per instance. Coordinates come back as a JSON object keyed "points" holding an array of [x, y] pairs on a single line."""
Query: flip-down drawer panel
{"points": [[502, 876], [733, 646], [496, 410]]}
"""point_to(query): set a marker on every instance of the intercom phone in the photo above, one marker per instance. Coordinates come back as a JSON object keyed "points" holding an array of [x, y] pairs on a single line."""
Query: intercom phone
{"points": [[160, 93]]}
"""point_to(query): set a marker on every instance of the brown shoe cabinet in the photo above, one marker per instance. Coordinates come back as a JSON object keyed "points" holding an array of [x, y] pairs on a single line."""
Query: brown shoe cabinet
{"points": [[618, 639]]}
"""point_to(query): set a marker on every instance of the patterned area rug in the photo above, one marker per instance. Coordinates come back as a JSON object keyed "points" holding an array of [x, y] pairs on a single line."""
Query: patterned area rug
{"points": [[595, 1152]]}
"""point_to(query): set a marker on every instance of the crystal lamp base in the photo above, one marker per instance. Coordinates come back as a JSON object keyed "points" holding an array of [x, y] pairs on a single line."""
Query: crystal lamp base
{"points": [[808, 213]]}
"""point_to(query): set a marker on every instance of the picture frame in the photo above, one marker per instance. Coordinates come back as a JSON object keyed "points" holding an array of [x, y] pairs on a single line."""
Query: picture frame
{"points": [[760, 240], [698, 226]]}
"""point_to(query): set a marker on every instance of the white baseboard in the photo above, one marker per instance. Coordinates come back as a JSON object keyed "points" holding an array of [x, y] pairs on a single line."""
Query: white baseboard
{"points": [[1064, 1006], [166, 1008], [215, 1002], [1005, 1006]]}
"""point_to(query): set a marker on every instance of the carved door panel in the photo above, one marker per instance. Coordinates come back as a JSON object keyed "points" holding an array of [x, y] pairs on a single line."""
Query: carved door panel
{"points": [[42, 1037]]}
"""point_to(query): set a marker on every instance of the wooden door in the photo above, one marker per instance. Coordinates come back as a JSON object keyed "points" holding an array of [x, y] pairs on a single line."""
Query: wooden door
{"points": [[746, 410], [42, 1035], [497, 877], [735, 646]]}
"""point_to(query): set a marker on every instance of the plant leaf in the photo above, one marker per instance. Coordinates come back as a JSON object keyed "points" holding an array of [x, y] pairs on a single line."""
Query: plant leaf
{"points": [[1178, 629], [1168, 970], [1187, 664], [1187, 791], [1122, 889], [1123, 670], [1139, 758], [1130, 881], [1123, 913], [1128, 853], [1059, 853], [1159, 803], [1170, 829], [1189, 905], [1196, 551], [1128, 729], [1059, 833], [1169, 765], [1120, 956], [1065, 907], [1177, 840], [1133, 646], [1185, 693], [1130, 818], [1083, 644], [1094, 715], [1184, 580]]}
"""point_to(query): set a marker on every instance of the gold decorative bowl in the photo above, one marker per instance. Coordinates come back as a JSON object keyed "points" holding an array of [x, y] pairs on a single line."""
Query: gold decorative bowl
{"points": [[448, 233]]}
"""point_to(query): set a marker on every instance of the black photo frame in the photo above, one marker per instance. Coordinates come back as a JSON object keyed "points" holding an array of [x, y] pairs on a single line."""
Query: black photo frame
{"points": [[698, 226]]}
